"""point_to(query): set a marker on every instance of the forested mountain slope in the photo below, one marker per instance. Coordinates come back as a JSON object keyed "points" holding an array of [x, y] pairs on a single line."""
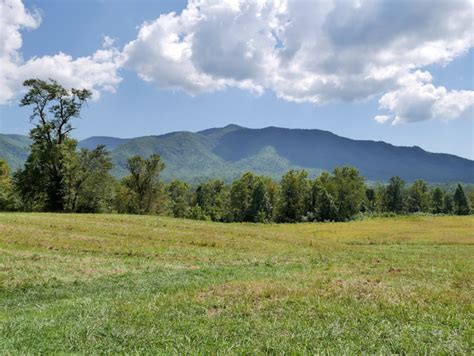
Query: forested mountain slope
{"points": [[229, 151]]}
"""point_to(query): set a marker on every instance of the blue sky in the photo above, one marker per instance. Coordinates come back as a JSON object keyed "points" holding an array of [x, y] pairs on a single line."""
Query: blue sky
{"points": [[170, 102]]}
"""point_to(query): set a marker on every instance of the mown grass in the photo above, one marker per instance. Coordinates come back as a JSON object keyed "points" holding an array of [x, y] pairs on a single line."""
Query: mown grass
{"points": [[115, 283]]}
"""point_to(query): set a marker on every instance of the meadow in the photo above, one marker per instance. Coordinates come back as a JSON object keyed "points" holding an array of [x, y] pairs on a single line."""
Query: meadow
{"points": [[136, 284]]}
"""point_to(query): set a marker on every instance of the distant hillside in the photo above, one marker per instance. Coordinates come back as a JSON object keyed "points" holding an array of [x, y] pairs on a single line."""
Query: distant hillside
{"points": [[109, 142], [229, 151], [14, 149], [192, 157]]}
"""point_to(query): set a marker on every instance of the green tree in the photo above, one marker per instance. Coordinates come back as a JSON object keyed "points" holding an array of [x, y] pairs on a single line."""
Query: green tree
{"points": [[437, 201], [7, 195], [143, 182], [42, 182], [241, 193], [371, 196], [123, 199], [326, 209], [347, 188], [274, 194], [212, 198], [90, 186], [448, 204], [179, 194], [294, 192], [322, 203], [393, 199], [323, 207], [418, 198], [470, 193], [461, 203], [261, 206]]}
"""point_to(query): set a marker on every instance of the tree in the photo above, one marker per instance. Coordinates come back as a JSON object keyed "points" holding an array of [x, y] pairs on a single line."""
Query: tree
{"points": [[42, 181], [143, 181], [371, 197], [179, 194], [437, 201], [322, 203], [326, 209], [274, 194], [461, 203], [448, 204], [260, 207], [7, 196], [322, 207], [418, 197], [394, 195], [347, 188], [212, 198], [294, 193], [90, 186], [241, 193], [470, 193]]}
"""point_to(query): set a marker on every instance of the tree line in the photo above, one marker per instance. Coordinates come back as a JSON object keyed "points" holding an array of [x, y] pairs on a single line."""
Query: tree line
{"points": [[58, 177]]}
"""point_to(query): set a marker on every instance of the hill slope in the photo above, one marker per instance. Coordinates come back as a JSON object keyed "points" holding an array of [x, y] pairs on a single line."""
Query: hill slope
{"points": [[229, 151], [110, 142], [14, 149]]}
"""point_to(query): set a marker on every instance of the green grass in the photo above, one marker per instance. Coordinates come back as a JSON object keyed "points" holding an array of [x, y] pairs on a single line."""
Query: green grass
{"points": [[115, 283]]}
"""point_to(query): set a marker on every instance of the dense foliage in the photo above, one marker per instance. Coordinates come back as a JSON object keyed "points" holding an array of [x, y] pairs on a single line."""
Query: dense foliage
{"points": [[59, 177]]}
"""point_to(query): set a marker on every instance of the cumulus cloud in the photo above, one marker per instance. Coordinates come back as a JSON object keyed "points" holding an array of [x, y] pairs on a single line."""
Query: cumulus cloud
{"points": [[312, 51], [97, 72], [303, 51], [417, 99], [425, 102], [382, 119], [209, 46]]}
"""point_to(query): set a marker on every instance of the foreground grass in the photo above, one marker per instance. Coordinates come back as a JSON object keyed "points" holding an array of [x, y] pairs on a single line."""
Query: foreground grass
{"points": [[115, 283]]}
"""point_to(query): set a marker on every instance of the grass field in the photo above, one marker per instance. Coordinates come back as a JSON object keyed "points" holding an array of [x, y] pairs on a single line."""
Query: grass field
{"points": [[115, 283]]}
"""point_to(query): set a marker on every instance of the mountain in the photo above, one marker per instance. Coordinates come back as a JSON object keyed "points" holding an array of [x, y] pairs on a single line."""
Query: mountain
{"points": [[109, 142], [229, 151], [14, 149]]}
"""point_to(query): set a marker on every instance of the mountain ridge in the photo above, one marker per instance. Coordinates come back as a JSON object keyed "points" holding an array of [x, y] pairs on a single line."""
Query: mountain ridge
{"points": [[226, 152]]}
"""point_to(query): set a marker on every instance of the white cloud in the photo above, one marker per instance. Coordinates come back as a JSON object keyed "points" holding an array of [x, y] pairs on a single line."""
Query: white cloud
{"points": [[420, 101], [97, 72], [209, 46], [382, 119], [108, 42], [311, 51], [304, 51], [13, 17]]}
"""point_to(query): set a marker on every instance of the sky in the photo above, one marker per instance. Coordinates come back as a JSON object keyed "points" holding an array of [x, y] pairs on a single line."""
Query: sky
{"points": [[400, 72]]}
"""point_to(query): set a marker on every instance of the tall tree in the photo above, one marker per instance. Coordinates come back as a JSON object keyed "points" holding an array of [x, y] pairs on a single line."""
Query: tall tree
{"points": [[448, 204], [394, 195], [326, 209], [437, 201], [348, 189], [260, 207], [7, 196], [179, 194], [322, 203], [212, 198], [294, 192], [274, 194], [241, 197], [461, 203], [418, 199], [371, 197], [42, 181], [89, 182], [143, 181]]}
